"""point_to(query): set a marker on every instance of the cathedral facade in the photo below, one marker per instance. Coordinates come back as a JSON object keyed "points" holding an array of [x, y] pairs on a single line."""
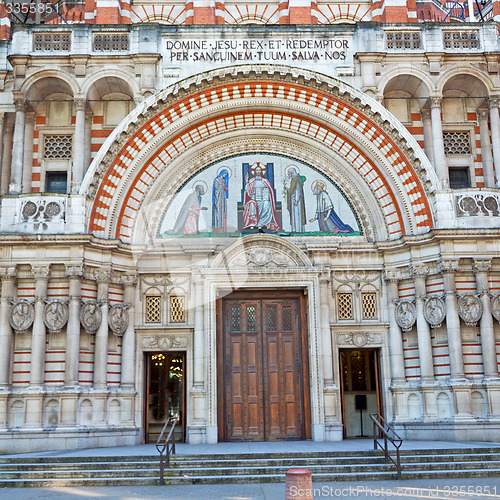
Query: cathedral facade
{"points": [[265, 220]]}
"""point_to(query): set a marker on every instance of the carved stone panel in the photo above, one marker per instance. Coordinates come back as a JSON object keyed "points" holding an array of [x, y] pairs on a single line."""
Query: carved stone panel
{"points": [[118, 319], [55, 316], [470, 309], [164, 342], [434, 311], [359, 339], [90, 317], [406, 315], [495, 307], [21, 315]]}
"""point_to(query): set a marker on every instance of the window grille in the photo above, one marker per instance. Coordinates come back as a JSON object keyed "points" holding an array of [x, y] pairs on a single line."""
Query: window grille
{"points": [[286, 312], [177, 309], [461, 39], [57, 147], [369, 305], [344, 306], [111, 42], [47, 41], [456, 143], [153, 309], [409, 40]]}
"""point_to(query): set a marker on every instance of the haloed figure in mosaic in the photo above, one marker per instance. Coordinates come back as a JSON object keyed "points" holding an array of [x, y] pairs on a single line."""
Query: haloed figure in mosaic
{"points": [[189, 214], [328, 220], [294, 191], [220, 195]]}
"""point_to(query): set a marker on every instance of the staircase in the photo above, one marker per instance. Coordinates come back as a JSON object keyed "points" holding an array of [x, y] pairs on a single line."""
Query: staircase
{"points": [[246, 468]]}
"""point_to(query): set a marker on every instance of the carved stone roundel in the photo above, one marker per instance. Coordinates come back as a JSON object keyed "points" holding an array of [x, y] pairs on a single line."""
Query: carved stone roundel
{"points": [[118, 319], [495, 307], [434, 311], [359, 339], [91, 317], [22, 315], [470, 309], [406, 314], [55, 316]]}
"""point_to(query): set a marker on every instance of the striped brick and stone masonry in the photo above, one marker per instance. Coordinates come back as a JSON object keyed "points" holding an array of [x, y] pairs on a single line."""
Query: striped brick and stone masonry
{"points": [[394, 11], [204, 12], [299, 12], [4, 23]]}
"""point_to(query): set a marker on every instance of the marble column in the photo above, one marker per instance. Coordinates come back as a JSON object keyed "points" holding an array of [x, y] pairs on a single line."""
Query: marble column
{"points": [[16, 171], [486, 156], [8, 276], [29, 130], [88, 141], [458, 381], [440, 162], [495, 135], [79, 145], [75, 274], [128, 341], [103, 278], [34, 399], [6, 158], [427, 126]]}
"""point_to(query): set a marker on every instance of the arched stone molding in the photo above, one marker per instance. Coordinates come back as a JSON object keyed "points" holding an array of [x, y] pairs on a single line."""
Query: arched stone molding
{"points": [[334, 118], [149, 217], [30, 84], [405, 70], [118, 73], [448, 75]]}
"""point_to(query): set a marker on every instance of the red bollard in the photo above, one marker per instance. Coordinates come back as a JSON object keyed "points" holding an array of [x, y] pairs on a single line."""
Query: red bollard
{"points": [[298, 484]]}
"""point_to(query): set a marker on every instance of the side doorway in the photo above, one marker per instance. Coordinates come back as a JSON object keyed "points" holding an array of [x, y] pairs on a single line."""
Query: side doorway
{"points": [[361, 390], [165, 393]]}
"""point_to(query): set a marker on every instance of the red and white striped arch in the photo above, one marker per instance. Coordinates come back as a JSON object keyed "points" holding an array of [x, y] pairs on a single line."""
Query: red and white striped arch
{"points": [[382, 166]]}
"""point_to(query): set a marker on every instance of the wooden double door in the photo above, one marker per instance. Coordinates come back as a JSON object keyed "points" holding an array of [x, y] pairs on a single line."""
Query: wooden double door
{"points": [[263, 368]]}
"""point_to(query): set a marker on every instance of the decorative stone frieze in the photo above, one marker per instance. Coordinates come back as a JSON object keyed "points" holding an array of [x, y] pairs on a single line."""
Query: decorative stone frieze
{"points": [[434, 311], [118, 319], [55, 315], [359, 339], [164, 342], [43, 210], [470, 309], [477, 204], [90, 317], [21, 315], [406, 315]]}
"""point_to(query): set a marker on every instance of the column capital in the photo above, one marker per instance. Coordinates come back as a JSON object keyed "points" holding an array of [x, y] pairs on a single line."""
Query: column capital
{"points": [[80, 104], [449, 266], [103, 275], [8, 273], [129, 279], [435, 102], [420, 271], [392, 275], [482, 114], [20, 102], [74, 272], [40, 273], [494, 102], [481, 265], [425, 113]]}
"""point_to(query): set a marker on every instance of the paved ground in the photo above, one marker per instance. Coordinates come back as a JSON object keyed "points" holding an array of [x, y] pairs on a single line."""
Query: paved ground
{"points": [[441, 489]]}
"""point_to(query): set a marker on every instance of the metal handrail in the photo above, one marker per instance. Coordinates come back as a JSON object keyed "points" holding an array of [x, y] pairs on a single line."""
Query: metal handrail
{"points": [[167, 447], [384, 428]]}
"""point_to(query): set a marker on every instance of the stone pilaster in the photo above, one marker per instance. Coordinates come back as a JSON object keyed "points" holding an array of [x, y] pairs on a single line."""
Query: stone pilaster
{"points": [[440, 163], [486, 156], [494, 104], [16, 172], [79, 145]]}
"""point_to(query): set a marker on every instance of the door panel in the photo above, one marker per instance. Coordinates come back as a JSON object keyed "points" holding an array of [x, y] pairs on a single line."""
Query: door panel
{"points": [[264, 396]]}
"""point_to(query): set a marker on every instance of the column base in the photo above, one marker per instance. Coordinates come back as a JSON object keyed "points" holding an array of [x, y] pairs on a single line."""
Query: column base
{"points": [[462, 395]]}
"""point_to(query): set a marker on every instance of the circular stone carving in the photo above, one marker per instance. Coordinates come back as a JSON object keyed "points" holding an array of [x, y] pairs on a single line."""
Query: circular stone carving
{"points": [[118, 319], [406, 314], [91, 317], [165, 343], [495, 307], [55, 316], [29, 209], [470, 309], [52, 209], [434, 311], [359, 339], [21, 316]]}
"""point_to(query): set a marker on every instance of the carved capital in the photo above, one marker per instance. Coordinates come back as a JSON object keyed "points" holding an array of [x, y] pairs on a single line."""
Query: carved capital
{"points": [[494, 102], [20, 104], [74, 272], [449, 266], [482, 265], [420, 271], [392, 275], [80, 104], [425, 113], [40, 273], [435, 102], [483, 114], [129, 279], [103, 275], [8, 273]]}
